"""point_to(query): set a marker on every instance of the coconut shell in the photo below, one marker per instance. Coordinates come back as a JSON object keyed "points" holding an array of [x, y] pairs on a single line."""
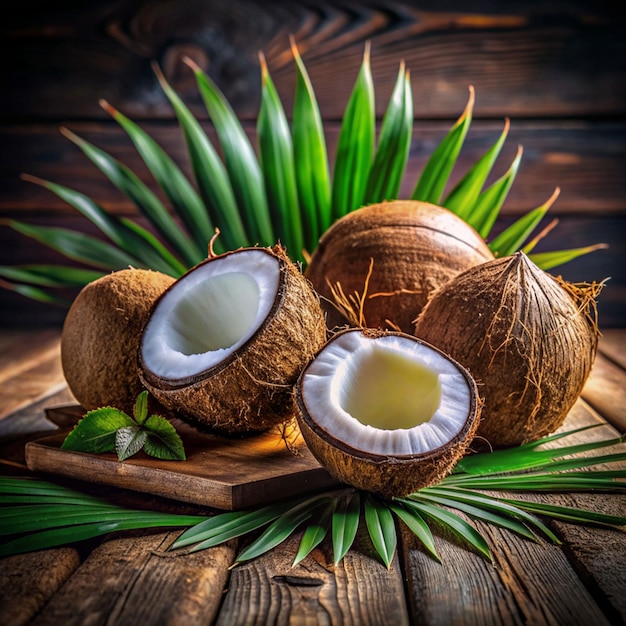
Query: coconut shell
{"points": [[527, 338], [415, 247], [383, 474], [101, 334], [251, 390]]}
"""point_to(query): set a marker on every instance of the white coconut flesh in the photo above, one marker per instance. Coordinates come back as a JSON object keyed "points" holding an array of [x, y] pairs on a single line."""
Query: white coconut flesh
{"points": [[209, 314], [390, 395]]}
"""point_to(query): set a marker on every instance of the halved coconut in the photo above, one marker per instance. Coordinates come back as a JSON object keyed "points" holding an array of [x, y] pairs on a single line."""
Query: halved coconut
{"points": [[386, 412], [224, 345]]}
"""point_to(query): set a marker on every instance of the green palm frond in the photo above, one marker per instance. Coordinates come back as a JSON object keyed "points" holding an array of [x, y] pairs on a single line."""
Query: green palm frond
{"points": [[36, 514], [283, 191]]}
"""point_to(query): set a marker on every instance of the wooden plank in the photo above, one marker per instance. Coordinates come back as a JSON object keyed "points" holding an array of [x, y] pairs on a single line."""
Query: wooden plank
{"points": [[23, 350], [530, 583], [218, 472], [613, 345], [134, 581], [360, 590], [42, 377], [28, 581], [605, 391], [582, 158], [527, 60], [597, 554]]}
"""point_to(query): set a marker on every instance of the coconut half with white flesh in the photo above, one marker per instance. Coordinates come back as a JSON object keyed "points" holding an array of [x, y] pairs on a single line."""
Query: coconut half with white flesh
{"points": [[386, 412], [224, 345]]}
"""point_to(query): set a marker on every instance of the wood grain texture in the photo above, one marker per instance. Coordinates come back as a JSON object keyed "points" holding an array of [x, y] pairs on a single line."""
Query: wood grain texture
{"points": [[130, 582], [28, 581], [529, 59], [359, 591], [605, 391], [583, 159], [613, 346], [218, 472], [529, 583]]}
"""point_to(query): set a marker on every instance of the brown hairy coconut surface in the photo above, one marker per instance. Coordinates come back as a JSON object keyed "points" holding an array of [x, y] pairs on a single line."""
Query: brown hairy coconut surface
{"points": [[101, 335], [527, 338], [409, 456], [381, 262], [250, 388]]}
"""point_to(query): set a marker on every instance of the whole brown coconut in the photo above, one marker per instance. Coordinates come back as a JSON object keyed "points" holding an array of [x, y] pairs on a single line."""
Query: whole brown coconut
{"points": [[527, 338], [101, 335], [386, 412], [411, 249], [225, 344]]}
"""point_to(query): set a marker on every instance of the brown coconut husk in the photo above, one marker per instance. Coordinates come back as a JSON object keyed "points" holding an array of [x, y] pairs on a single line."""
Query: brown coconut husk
{"points": [[411, 247], [528, 339], [251, 390], [386, 475], [101, 334]]}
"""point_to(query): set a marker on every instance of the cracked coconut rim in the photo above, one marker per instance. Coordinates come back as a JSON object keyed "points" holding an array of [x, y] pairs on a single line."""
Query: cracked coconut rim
{"points": [[392, 396], [209, 314]]}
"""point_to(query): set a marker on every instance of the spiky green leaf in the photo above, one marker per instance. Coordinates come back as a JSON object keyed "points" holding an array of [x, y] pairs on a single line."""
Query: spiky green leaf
{"points": [[434, 177], [392, 153], [239, 158], [345, 523], [381, 528], [355, 146], [277, 161]]}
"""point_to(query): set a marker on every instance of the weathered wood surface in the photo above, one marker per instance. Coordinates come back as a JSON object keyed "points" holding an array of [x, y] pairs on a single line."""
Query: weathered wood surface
{"points": [[223, 473], [531, 59], [556, 70], [129, 578]]}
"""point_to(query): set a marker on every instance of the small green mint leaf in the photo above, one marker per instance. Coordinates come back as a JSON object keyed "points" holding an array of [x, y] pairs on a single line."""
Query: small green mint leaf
{"points": [[163, 441], [95, 432], [129, 440], [140, 410]]}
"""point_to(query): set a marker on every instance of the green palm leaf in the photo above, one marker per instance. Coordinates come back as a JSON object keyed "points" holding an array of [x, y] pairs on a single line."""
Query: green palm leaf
{"points": [[142, 197], [437, 170], [277, 161], [171, 180], [381, 528], [136, 241], [512, 239], [282, 528], [210, 175], [465, 194], [310, 157], [490, 201], [240, 160], [356, 144], [315, 533], [345, 523], [49, 275], [392, 153], [77, 246], [549, 260], [416, 524]]}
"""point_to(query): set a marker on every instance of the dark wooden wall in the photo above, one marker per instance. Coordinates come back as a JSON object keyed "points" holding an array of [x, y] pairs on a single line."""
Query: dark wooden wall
{"points": [[557, 69]]}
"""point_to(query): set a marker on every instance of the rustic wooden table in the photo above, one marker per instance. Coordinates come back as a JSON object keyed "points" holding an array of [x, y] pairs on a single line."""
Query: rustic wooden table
{"points": [[128, 579]]}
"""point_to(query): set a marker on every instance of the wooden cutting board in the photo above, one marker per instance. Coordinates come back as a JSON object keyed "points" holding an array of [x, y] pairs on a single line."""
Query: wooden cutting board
{"points": [[220, 472]]}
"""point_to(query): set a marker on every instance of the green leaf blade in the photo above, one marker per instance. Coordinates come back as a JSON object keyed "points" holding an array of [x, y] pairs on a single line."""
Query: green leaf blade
{"points": [[416, 524], [385, 176], [240, 160], [355, 147], [382, 530], [345, 523], [171, 180], [437, 170], [141, 196], [315, 533], [311, 158], [277, 161]]}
